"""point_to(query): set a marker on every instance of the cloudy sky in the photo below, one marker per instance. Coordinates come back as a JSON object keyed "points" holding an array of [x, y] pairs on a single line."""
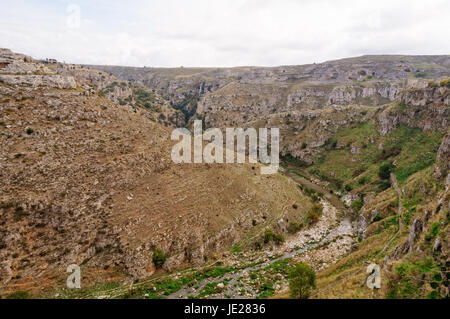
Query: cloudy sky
{"points": [[222, 33]]}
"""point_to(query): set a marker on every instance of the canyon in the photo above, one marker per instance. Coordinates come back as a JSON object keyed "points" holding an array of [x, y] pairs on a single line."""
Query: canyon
{"points": [[87, 179]]}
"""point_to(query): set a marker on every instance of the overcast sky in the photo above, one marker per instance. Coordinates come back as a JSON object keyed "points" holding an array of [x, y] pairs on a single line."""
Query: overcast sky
{"points": [[222, 32]]}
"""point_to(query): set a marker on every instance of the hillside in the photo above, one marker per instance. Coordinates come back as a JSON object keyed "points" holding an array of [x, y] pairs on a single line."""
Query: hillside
{"points": [[91, 182], [87, 178], [209, 92]]}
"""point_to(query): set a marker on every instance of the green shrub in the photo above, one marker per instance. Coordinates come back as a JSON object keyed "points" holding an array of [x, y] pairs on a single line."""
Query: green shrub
{"points": [[29, 130], [20, 294], [384, 185], [302, 280], [384, 172], [278, 238], [420, 75], [433, 232], [314, 214], [268, 236], [362, 180], [159, 257], [445, 82], [293, 227], [357, 205]]}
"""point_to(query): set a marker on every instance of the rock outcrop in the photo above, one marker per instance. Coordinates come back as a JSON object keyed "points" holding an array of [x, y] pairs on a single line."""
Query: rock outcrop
{"points": [[427, 109]]}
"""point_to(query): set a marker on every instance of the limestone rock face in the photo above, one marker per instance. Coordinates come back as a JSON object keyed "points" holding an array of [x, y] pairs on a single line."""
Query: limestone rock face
{"points": [[443, 158], [415, 230], [17, 63], [372, 95], [19, 69], [368, 80], [35, 81], [427, 109], [361, 225]]}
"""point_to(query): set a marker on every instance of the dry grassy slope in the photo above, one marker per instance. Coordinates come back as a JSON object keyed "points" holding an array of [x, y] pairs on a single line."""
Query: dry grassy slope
{"points": [[90, 182]]}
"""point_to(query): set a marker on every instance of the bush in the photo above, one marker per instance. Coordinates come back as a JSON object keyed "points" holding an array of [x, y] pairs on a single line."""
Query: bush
{"points": [[362, 180], [314, 214], [384, 172], [159, 257], [29, 131], [445, 82], [348, 188], [302, 280], [293, 227], [357, 205], [420, 75], [384, 185], [432, 84], [268, 236], [278, 238]]}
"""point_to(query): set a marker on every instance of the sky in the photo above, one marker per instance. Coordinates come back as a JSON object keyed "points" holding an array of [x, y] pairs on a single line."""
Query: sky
{"points": [[222, 33]]}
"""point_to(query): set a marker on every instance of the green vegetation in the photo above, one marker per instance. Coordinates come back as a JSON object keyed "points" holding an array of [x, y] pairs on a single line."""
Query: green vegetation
{"points": [[159, 257], [433, 232], [413, 279], [302, 280], [384, 171], [20, 294], [314, 214], [357, 205], [289, 159], [269, 236], [420, 74], [445, 82], [411, 150], [293, 227]]}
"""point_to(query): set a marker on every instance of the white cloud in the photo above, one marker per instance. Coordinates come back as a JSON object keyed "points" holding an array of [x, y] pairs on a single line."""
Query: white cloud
{"points": [[225, 33]]}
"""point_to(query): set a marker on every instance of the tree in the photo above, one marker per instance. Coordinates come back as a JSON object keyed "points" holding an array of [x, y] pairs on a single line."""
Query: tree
{"points": [[384, 171], [302, 281], [159, 258]]}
